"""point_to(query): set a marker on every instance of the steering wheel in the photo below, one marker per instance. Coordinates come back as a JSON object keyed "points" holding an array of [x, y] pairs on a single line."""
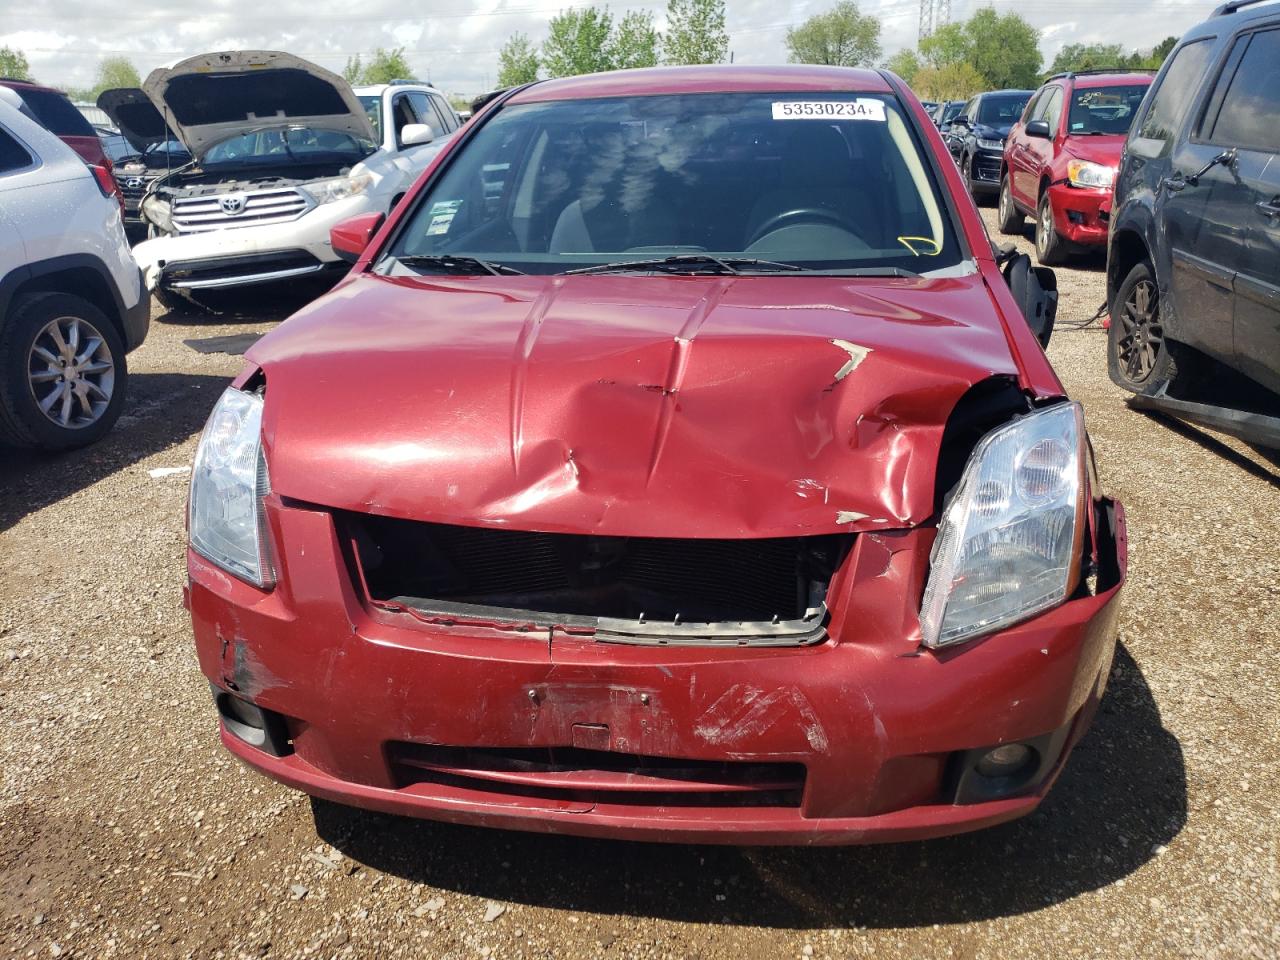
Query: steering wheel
{"points": [[803, 214]]}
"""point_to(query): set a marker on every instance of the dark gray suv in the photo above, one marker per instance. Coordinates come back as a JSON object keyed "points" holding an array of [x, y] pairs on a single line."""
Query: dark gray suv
{"points": [[1193, 269]]}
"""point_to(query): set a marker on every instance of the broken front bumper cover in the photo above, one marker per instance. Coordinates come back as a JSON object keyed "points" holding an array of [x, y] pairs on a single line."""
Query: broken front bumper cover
{"points": [[387, 712]]}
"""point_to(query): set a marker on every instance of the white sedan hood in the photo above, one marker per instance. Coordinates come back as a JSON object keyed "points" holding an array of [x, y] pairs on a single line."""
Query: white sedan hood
{"points": [[213, 96]]}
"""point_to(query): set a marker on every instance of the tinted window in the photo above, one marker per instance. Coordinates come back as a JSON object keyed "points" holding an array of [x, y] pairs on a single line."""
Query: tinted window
{"points": [[1001, 110], [425, 107], [373, 110], [1250, 113], [1053, 109], [1173, 97], [1104, 110], [547, 187], [952, 110], [57, 114], [12, 154], [1033, 105], [447, 116]]}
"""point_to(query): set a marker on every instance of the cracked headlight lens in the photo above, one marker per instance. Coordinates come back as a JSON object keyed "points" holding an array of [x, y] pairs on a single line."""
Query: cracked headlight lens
{"points": [[1008, 543], [339, 188], [227, 524]]}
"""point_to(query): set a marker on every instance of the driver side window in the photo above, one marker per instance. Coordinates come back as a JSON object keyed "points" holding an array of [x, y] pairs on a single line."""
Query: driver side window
{"points": [[401, 115]]}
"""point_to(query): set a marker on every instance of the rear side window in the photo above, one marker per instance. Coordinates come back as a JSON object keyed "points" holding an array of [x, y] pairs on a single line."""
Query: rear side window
{"points": [[447, 116], [13, 156], [1173, 98], [57, 114], [1250, 111]]}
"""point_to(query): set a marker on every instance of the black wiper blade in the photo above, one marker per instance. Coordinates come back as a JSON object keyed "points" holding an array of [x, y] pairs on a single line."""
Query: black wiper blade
{"points": [[449, 263], [689, 262]]}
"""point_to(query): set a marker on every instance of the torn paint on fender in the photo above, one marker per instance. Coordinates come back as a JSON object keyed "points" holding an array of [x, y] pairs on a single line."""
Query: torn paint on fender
{"points": [[743, 713]]}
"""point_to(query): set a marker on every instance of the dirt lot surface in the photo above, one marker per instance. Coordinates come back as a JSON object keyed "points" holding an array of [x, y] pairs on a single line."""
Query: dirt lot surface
{"points": [[126, 831]]}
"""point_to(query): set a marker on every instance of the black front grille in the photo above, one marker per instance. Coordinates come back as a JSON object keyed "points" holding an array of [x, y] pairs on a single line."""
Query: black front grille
{"points": [[618, 577]]}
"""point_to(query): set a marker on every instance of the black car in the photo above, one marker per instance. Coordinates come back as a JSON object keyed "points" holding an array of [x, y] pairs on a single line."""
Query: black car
{"points": [[976, 137], [154, 149], [1193, 266], [943, 113]]}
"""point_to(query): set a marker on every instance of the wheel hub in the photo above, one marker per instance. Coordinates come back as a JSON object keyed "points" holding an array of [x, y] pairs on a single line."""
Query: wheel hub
{"points": [[70, 372], [1141, 334]]}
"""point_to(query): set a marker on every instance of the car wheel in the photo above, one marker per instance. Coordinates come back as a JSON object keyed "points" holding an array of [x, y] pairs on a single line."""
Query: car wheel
{"points": [[1009, 219], [1051, 249], [62, 373], [1138, 356]]}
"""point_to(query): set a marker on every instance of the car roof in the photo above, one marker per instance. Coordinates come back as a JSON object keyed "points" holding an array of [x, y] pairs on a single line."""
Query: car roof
{"points": [[719, 78], [1006, 93], [1120, 78], [374, 89], [1230, 16], [15, 84]]}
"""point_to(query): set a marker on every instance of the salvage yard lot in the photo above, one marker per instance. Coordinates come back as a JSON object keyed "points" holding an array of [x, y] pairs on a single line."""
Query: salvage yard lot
{"points": [[126, 830]]}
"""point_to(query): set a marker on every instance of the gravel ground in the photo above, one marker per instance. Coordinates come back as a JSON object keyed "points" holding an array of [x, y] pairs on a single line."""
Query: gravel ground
{"points": [[126, 831]]}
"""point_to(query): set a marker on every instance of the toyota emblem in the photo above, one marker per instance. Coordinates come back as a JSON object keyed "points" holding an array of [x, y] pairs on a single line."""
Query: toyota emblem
{"points": [[232, 204]]}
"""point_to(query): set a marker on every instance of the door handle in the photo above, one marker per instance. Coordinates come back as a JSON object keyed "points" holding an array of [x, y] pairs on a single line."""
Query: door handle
{"points": [[1270, 208]]}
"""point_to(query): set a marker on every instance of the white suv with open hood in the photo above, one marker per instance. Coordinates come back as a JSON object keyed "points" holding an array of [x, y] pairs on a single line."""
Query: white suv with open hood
{"points": [[282, 150]]}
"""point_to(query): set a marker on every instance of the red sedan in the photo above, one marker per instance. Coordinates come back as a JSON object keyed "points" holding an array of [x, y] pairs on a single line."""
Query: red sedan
{"points": [[676, 464]]}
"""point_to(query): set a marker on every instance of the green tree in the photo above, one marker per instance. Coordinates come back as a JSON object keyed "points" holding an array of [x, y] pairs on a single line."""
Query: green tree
{"points": [[580, 41], [385, 66], [951, 81], [1004, 49], [695, 32], [906, 64], [947, 45], [517, 61], [635, 43], [351, 72], [115, 72], [1161, 52], [13, 63], [1089, 56], [841, 37]]}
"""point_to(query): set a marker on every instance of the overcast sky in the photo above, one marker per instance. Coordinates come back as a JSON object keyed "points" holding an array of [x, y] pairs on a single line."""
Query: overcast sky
{"points": [[456, 42]]}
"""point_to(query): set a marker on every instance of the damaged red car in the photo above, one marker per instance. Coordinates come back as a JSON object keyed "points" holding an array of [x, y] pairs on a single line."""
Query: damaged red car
{"points": [[675, 463]]}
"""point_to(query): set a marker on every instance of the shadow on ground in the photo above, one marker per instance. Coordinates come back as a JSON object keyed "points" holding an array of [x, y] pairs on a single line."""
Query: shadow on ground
{"points": [[1123, 794], [162, 409], [1268, 469]]}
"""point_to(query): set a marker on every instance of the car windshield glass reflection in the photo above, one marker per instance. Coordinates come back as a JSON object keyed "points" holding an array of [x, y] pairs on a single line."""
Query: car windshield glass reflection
{"points": [[1104, 110], [825, 182], [1001, 111]]}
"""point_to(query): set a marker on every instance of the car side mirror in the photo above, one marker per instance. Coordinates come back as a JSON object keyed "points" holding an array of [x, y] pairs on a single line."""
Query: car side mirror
{"points": [[1035, 289], [1038, 128], [350, 237], [414, 133], [960, 121]]}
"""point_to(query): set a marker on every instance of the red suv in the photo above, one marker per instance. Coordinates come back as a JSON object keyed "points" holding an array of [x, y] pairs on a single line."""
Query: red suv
{"points": [[1060, 159], [675, 463]]}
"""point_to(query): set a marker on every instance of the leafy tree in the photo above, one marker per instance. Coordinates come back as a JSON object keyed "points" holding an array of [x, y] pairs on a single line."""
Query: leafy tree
{"points": [[906, 64], [1089, 56], [947, 45], [1004, 49], [115, 72], [1161, 52], [695, 32], [635, 43], [841, 37], [579, 42], [385, 66], [351, 72], [13, 64], [952, 81], [517, 61]]}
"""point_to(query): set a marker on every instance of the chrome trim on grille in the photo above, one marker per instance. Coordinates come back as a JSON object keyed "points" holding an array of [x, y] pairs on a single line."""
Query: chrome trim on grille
{"points": [[245, 279], [277, 205]]}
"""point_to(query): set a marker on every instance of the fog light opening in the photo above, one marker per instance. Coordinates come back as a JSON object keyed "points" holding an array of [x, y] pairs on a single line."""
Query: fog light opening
{"points": [[1007, 760], [264, 729]]}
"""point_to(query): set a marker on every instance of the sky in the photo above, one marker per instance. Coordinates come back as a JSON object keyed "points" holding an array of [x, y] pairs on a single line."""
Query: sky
{"points": [[455, 43]]}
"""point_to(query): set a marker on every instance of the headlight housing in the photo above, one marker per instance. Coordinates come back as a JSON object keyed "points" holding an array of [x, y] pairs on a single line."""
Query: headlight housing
{"points": [[157, 212], [226, 521], [1008, 544], [1083, 173], [990, 144], [338, 188]]}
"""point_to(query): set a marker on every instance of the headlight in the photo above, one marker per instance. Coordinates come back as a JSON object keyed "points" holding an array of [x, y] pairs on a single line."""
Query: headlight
{"points": [[1009, 540], [339, 188], [1082, 173], [226, 522], [990, 144], [157, 212]]}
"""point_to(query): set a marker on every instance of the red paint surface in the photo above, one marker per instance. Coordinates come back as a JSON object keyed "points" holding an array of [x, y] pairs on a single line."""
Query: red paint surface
{"points": [[659, 406]]}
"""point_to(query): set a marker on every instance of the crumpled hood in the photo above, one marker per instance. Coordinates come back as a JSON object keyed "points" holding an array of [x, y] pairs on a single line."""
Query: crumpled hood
{"points": [[213, 96], [1105, 150], [629, 406]]}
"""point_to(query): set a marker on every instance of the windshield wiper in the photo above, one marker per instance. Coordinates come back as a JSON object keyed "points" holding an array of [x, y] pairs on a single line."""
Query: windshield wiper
{"points": [[689, 263], [863, 272], [449, 263]]}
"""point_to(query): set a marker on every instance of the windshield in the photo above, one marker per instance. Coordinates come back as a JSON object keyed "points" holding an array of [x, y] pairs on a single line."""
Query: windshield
{"points": [[289, 144], [833, 183], [373, 110], [952, 110], [1105, 110], [1001, 111]]}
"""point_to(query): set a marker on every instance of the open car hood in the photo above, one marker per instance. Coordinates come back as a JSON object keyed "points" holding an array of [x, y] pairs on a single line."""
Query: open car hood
{"points": [[135, 116], [213, 96], [627, 406]]}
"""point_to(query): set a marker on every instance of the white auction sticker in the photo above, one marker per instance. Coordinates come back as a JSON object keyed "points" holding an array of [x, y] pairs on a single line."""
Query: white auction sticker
{"points": [[829, 110]]}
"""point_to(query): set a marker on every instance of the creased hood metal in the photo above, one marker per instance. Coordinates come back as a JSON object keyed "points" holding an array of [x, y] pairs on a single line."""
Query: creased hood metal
{"points": [[627, 406], [210, 97]]}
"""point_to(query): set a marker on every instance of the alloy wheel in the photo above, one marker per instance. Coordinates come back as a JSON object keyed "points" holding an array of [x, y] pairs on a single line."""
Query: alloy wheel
{"points": [[1141, 334], [71, 373], [1045, 227]]}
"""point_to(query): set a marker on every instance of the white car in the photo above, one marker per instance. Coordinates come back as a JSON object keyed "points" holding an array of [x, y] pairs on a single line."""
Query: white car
{"points": [[282, 150], [72, 302]]}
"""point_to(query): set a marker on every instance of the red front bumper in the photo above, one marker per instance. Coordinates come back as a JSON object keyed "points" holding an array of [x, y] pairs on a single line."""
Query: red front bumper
{"points": [[873, 722], [1081, 213]]}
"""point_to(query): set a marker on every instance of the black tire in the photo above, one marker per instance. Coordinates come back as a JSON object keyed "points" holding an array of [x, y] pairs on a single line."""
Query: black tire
{"points": [[1051, 249], [87, 397], [1009, 218], [1138, 356]]}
